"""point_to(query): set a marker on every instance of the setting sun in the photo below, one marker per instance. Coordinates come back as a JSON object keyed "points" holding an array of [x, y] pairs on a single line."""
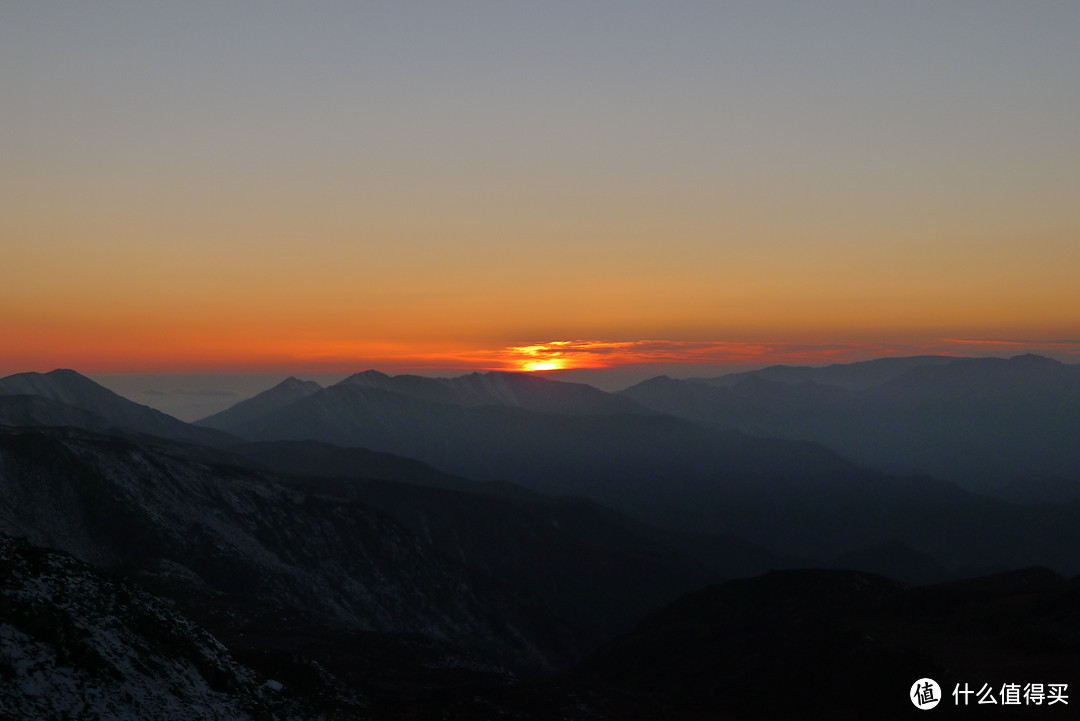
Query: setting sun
{"points": [[543, 365], [548, 356]]}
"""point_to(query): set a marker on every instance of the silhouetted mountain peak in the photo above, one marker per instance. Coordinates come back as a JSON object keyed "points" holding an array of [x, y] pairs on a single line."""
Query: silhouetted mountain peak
{"points": [[66, 373], [293, 387], [992, 374], [68, 386], [506, 387], [54, 384], [858, 376], [284, 393], [97, 406], [1031, 360], [496, 388], [365, 378]]}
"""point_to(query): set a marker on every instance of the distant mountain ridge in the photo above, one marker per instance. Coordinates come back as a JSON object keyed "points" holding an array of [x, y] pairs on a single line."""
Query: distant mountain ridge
{"points": [[628, 461], [288, 391], [795, 498], [985, 423], [66, 390], [849, 376], [512, 390]]}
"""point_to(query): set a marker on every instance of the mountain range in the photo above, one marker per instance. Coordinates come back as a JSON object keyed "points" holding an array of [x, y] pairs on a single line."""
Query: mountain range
{"points": [[503, 545], [686, 473], [64, 397], [1005, 426]]}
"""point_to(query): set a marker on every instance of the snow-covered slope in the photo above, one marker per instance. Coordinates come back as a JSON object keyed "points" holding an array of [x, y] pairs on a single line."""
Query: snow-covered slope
{"points": [[205, 533], [77, 643]]}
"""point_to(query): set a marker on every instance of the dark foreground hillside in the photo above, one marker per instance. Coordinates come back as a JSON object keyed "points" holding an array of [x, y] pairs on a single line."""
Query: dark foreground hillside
{"points": [[845, 645], [80, 643]]}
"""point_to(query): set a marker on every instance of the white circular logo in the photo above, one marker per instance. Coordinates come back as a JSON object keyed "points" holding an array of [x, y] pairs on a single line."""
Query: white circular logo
{"points": [[925, 694]]}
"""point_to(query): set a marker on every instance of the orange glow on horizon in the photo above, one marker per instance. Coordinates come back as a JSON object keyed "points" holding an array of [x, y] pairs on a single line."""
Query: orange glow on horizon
{"points": [[549, 356], [597, 354], [381, 192], [40, 351]]}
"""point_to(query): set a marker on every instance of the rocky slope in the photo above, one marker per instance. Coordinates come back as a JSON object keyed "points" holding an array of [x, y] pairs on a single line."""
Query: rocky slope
{"points": [[78, 643], [508, 579]]}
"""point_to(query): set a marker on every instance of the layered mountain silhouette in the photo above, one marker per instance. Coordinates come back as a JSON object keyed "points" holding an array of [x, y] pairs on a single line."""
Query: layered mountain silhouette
{"points": [[65, 397], [794, 497], [512, 390], [1008, 426], [849, 376], [542, 579], [399, 547], [280, 396]]}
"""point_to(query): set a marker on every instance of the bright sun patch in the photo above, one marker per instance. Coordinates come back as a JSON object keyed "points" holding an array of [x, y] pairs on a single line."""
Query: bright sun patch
{"points": [[541, 365], [543, 357]]}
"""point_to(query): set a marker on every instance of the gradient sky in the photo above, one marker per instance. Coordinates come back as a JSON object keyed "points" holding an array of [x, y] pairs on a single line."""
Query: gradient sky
{"points": [[197, 186]]}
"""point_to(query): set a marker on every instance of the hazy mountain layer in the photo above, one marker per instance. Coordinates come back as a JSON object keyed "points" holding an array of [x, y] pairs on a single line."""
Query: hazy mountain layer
{"points": [[849, 376], [512, 390], [795, 498], [986, 423], [522, 583], [101, 408], [281, 395]]}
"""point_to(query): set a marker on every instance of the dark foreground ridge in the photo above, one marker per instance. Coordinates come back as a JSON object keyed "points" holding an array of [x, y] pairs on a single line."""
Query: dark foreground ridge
{"points": [[80, 643], [843, 645]]}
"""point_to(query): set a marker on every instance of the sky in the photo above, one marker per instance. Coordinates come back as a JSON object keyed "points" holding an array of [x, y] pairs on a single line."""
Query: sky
{"points": [[321, 187]]}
